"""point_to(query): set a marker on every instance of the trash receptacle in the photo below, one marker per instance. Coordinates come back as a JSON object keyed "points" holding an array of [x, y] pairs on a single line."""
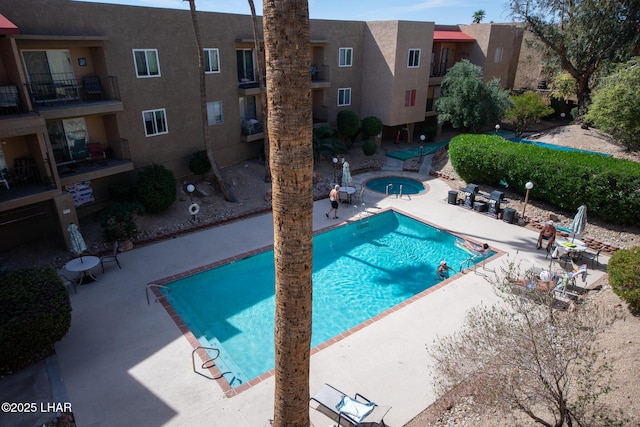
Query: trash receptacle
{"points": [[508, 215], [453, 197]]}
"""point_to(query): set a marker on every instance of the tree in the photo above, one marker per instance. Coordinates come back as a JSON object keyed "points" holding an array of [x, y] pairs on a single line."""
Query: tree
{"points": [[524, 355], [616, 104], [584, 36], [288, 60], [478, 16], [208, 144], [527, 109], [467, 102]]}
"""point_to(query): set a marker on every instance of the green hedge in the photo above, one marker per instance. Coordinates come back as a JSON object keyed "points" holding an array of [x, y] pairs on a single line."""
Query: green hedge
{"points": [[566, 179], [624, 275], [35, 313]]}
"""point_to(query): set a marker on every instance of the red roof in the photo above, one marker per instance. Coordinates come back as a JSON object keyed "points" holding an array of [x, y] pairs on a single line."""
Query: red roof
{"points": [[7, 27], [451, 36]]}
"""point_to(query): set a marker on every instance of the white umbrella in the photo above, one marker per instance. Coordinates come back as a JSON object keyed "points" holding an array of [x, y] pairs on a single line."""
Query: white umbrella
{"points": [[77, 242], [346, 173], [579, 221]]}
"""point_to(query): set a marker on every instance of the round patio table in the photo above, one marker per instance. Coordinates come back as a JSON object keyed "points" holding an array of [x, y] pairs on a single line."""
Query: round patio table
{"points": [[83, 266]]}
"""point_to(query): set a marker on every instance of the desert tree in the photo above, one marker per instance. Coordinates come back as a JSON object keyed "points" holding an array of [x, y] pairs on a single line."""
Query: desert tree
{"points": [[288, 61], [525, 355], [467, 102], [528, 109], [478, 16], [206, 137], [582, 36], [616, 104]]}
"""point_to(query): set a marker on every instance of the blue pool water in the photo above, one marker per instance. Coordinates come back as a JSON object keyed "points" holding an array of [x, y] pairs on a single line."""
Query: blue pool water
{"points": [[409, 186], [358, 272], [555, 147]]}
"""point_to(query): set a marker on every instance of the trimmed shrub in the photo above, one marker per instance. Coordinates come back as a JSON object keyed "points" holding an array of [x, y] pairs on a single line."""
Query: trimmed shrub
{"points": [[199, 163], [348, 123], [565, 179], [371, 126], [156, 188], [117, 221], [35, 313], [624, 275], [369, 148]]}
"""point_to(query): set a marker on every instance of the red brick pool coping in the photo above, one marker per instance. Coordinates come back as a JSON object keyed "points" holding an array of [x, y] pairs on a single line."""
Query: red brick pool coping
{"points": [[213, 370]]}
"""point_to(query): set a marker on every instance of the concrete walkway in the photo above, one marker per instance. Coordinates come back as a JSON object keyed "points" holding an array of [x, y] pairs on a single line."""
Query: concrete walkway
{"points": [[126, 363]]}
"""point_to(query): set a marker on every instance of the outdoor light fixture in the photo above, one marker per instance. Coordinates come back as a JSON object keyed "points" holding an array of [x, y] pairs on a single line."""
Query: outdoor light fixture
{"points": [[497, 128], [194, 208], [335, 163], [528, 186], [190, 189], [422, 138]]}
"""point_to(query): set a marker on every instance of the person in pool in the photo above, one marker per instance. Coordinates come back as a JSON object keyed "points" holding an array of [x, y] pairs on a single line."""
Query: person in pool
{"points": [[475, 247], [443, 270]]}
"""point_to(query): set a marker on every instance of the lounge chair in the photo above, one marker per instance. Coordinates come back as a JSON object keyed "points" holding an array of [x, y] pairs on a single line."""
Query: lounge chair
{"points": [[357, 410]]}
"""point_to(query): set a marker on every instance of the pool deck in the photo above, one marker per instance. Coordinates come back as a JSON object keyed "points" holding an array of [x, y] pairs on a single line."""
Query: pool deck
{"points": [[125, 362]]}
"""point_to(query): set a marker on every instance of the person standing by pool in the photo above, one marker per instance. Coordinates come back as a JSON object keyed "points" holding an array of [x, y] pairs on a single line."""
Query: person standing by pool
{"points": [[334, 198], [443, 270]]}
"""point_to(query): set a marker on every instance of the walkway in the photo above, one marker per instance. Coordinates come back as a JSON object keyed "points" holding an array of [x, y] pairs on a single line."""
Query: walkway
{"points": [[126, 363]]}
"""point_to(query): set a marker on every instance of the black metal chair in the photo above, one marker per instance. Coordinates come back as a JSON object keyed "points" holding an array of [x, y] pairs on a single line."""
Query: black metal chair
{"points": [[111, 258], [92, 87]]}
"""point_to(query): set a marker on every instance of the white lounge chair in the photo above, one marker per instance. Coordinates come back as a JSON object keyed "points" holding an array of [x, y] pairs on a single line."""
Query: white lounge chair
{"points": [[357, 410]]}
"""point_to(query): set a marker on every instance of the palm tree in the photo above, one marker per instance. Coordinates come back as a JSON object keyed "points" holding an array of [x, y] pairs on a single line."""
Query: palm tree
{"points": [[263, 95], [288, 61], [203, 108], [478, 16]]}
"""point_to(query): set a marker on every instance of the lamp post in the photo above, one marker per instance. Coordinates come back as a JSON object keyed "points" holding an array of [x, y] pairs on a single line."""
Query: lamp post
{"points": [[497, 128], [422, 138], [190, 189], [193, 207], [528, 186], [335, 163]]}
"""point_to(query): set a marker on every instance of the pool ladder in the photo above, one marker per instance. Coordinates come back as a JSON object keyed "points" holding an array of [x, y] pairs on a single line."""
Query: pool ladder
{"points": [[468, 261], [363, 215], [153, 285], [389, 188], [210, 363]]}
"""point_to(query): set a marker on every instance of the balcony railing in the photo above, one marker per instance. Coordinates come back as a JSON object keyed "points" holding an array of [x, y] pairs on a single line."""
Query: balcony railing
{"points": [[72, 91], [251, 126], [10, 102], [24, 179]]}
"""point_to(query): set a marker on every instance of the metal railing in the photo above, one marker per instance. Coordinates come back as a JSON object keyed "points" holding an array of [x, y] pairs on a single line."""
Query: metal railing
{"points": [[69, 91]]}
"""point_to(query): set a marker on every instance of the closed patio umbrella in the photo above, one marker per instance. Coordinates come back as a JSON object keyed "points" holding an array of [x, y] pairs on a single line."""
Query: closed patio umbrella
{"points": [[77, 242], [346, 173], [579, 221]]}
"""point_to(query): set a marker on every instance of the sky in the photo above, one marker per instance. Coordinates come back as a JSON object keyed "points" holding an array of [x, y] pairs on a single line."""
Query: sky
{"points": [[439, 11]]}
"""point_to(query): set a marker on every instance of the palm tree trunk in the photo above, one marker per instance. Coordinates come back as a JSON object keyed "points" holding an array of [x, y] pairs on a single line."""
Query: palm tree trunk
{"points": [[203, 108], [288, 60], [263, 94]]}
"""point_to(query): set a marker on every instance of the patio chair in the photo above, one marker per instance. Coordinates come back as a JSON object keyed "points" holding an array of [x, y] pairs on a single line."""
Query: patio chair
{"points": [[92, 87], [111, 258], [96, 152], [592, 256], [357, 410]]}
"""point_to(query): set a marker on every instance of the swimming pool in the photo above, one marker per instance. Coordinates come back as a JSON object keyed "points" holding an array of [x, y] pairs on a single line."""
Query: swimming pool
{"points": [[395, 184], [556, 147], [359, 271]]}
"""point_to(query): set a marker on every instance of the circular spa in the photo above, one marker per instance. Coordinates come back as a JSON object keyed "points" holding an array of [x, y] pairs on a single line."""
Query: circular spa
{"points": [[396, 185]]}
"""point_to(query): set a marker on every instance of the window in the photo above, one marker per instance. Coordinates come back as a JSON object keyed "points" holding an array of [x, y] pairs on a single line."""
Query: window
{"points": [[410, 98], [146, 61], [344, 96], [497, 59], [214, 113], [155, 122], [414, 58], [345, 57], [246, 72], [211, 61]]}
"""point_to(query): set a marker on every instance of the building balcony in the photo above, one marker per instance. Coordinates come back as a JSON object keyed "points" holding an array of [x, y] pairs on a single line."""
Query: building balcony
{"points": [[251, 130]]}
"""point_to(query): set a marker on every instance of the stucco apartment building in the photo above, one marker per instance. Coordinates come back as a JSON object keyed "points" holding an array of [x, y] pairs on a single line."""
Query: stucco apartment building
{"points": [[90, 93]]}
